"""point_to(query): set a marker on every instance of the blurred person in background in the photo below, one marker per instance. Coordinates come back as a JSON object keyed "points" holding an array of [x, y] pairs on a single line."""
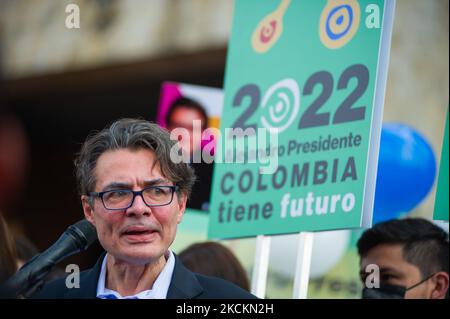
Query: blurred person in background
{"points": [[26, 251], [14, 154], [216, 260], [412, 256], [13, 159], [8, 258]]}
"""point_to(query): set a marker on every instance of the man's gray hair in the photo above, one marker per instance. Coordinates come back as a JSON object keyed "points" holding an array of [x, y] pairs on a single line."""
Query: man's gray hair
{"points": [[132, 134]]}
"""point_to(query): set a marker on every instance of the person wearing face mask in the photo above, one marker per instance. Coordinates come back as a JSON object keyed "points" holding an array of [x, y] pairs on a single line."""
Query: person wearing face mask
{"points": [[411, 258]]}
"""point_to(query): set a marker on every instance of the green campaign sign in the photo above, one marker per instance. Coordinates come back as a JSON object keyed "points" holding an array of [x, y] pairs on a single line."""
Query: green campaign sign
{"points": [[441, 202], [305, 85]]}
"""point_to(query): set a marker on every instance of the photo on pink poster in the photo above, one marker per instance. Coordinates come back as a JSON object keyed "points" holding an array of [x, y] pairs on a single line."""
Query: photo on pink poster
{"points": [[193, 108]]}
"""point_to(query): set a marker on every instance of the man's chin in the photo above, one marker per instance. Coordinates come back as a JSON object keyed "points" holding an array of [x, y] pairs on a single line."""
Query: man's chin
{"points": [[140, 254]]}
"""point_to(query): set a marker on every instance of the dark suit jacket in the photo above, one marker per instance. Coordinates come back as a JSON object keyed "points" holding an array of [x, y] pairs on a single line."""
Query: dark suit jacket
{"points": [[184, 285]]}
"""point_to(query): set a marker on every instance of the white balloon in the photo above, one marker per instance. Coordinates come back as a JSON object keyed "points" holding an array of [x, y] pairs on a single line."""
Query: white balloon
{"points": [[328, 248]]}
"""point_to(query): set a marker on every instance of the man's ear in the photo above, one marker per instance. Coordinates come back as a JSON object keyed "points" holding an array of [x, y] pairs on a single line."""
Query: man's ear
{"points": [[441, 280], [87, 209], [182, 199]]}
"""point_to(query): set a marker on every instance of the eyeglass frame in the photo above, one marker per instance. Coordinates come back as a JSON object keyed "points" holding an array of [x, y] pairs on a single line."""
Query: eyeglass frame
{"points": [[174, 188]]}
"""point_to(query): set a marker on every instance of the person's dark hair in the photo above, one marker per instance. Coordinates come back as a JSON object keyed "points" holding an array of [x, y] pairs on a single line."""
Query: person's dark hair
{"points": [[215, 259], [184, 102], [425, 245], [25, 249], [132, 134], [8, 260]]}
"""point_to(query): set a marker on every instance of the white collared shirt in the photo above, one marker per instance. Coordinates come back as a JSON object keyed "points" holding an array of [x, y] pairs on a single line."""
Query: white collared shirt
{"points": [[158, 291]]}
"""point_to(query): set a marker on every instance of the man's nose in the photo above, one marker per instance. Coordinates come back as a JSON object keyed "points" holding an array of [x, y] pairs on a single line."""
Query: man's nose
{"points": [[138, 207]]}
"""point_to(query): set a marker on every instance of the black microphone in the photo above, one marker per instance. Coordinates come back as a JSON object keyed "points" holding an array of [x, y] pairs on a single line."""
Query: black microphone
{"points": [[29, 278]]}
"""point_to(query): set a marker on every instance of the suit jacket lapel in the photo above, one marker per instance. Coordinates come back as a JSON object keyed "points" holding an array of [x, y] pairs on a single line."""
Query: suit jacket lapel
{"points": [[184, 284]]}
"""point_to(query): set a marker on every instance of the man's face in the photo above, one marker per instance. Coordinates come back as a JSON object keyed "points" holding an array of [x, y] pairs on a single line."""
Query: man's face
{"points": [[395, 270], [139, 234], [184, 117]]}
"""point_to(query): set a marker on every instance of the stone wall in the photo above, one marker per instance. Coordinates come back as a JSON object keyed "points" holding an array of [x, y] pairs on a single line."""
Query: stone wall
{"points": [[36, 40]]}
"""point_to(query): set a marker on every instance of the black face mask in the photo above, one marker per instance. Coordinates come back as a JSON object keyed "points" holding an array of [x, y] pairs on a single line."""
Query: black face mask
{"points": [[384, 292], [389, 291]]}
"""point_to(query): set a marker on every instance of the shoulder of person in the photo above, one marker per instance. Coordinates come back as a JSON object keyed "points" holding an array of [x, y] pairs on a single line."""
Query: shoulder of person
{"points": [[221, 289]]}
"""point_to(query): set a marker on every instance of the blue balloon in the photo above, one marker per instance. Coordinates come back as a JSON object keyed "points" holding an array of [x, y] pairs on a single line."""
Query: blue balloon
{"points": [[406, 171]]}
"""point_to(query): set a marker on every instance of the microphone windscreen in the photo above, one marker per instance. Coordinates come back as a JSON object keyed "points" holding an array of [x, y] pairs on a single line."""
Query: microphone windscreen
{"points": [[85, 230]]}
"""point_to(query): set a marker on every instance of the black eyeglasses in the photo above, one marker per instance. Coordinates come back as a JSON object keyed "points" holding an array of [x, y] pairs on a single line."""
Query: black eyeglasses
{"points": [[120, 199]]}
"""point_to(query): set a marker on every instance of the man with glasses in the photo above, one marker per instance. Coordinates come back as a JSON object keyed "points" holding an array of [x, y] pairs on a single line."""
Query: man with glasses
{"points": [[404, 259], [135, 196]]}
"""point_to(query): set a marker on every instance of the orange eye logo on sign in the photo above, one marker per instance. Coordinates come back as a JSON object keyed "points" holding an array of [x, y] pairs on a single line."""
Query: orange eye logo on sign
{"points": [[339, 22], [269, 29]]}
